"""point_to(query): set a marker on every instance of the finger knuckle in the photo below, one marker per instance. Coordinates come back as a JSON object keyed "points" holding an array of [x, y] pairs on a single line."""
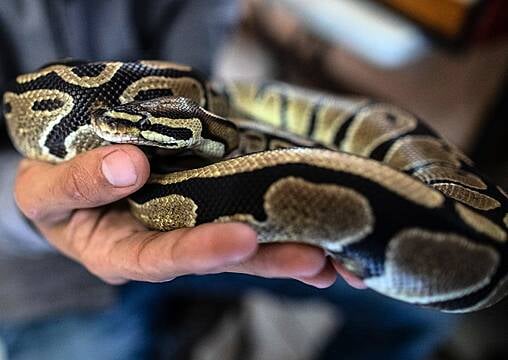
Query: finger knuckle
{"points": [[77, 234], [144, 268]]}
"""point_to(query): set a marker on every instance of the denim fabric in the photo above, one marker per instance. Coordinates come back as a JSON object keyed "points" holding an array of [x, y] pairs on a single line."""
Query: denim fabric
{"points": [[375, 327], [119, 332]]}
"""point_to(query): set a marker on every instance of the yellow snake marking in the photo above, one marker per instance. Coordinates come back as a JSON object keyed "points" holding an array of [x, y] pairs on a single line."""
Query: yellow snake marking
{"points": [[160, 138], [157, 64], [397, 182], [29, 128], [467, 196], [332, 115], [417, 150], [185, 86], [328, 215], [166, 213], [496, 295], [89, 81], [481, 223], [266, 108], [434, 172], [505, 220], [299, 114], [328, 122], [304, 211], [423, 267], [25, 78], [371, 127], [123, 116], [65, 72]]}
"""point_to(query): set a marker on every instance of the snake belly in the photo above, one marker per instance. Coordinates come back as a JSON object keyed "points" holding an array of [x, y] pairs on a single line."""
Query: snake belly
{"points": [[366, 181]]}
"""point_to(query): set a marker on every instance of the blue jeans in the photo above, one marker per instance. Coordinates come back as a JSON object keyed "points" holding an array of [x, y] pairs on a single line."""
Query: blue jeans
{"points": [[375, 327]]}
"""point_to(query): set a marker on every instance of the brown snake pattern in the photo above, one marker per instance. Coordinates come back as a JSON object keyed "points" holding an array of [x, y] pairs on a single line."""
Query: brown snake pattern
{"points": [[366, 181]]}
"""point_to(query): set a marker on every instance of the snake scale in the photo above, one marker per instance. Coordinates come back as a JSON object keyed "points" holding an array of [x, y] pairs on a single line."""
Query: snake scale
{"points": [[366, 181]]}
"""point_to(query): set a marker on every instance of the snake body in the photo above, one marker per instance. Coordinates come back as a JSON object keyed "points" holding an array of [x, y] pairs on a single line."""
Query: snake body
{"points": [[366, 181]]}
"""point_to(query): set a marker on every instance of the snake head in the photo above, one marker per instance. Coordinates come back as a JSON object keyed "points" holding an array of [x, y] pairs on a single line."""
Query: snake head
{"points": [[168, 122]]}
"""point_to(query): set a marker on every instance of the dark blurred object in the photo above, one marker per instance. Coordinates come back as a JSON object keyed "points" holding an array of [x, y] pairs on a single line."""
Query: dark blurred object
{"points": [[182, 322], [479, 336], [457, 21], [491, 149]]}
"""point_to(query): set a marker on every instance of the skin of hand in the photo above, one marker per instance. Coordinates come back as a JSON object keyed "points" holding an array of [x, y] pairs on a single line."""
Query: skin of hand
{"points": [[70, 204]]}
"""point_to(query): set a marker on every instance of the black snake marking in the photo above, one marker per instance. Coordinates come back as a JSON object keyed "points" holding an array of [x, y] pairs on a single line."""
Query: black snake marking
{"points": [[366, 181]]}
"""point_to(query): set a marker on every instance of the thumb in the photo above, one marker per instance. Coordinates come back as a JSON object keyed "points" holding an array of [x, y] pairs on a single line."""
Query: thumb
{"points": [[46, 192]]}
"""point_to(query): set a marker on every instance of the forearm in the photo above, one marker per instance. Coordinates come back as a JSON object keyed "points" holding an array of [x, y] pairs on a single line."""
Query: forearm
{"points": [[17, 237]]}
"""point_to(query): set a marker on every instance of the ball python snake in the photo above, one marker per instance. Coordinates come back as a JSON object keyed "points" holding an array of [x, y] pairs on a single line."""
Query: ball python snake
{"points": [[366, 181]]}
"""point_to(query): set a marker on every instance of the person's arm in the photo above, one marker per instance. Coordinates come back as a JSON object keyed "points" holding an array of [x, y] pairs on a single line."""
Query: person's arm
{"points": [[17, 236]]}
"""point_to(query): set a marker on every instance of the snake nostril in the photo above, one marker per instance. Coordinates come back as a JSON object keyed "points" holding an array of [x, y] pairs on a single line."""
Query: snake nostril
{"points": [[144, 124]]}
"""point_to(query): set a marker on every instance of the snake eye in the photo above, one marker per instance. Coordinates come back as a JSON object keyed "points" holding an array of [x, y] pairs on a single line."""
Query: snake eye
{"points": [[144, 124]]}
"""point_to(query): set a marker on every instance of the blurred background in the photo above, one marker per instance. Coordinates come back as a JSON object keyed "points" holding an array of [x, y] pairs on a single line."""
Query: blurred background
{"points": [[445, 60]]}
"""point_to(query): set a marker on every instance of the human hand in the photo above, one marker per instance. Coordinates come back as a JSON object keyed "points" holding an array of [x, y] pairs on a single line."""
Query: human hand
{"points": [[70, 205]]}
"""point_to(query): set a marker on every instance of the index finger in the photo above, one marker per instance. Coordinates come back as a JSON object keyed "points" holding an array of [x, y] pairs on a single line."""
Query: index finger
{"points": [[112, 245]]}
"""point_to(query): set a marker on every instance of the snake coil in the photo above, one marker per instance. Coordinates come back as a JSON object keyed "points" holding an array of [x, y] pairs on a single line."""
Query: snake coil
{"points": [[366, 181]]}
